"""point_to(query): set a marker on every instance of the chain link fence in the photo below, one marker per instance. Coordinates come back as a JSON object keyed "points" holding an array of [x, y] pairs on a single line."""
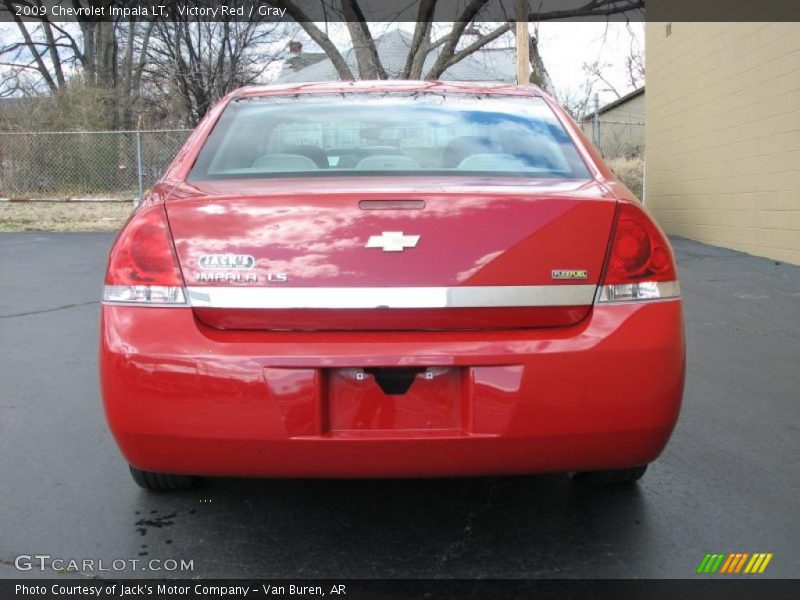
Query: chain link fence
{"points": [[618, 138], [622, 144], [109, 164]]}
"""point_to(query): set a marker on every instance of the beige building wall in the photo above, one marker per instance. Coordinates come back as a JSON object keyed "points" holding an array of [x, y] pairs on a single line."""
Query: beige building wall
{"points": [[723, 134]]}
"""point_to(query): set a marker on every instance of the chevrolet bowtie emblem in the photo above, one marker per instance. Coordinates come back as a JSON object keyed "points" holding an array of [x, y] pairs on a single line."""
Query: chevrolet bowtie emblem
{"points": [[392, 241]]}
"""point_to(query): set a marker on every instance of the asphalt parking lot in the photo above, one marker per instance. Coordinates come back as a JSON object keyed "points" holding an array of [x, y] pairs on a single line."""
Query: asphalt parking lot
{"points": [[728, 482]]}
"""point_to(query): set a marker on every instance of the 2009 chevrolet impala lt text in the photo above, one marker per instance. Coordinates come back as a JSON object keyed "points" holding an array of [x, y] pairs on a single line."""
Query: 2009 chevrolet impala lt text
{"points": [[377, 279]]}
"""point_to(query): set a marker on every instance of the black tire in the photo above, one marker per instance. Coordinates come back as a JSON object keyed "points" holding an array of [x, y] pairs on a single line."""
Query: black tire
{"points": [[164, 482], [613, 477]]}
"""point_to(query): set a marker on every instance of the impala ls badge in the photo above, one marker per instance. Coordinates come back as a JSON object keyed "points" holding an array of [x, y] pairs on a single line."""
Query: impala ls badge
{"points": [[392, 241]]}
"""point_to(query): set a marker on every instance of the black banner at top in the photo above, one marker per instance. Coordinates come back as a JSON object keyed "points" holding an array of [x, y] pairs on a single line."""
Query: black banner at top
{"points": [[394, 10]]}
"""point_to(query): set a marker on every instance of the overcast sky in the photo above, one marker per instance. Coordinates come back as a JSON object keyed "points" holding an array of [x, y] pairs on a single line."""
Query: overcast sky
{"points": [[565, 47]]}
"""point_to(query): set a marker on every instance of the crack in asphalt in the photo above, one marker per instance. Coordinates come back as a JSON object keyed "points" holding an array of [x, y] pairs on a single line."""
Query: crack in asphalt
{"points": [[459, 546], [47, 310]]}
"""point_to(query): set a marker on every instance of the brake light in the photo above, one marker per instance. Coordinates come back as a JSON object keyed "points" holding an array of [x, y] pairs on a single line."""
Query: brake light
{"points": [[142, 267], [641, 265]]}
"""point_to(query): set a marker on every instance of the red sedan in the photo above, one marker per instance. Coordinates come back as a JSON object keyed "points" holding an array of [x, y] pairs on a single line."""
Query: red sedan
{"points": [[390, 279]]}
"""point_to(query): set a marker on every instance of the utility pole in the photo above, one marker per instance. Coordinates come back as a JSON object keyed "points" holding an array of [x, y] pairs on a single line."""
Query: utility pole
{"points": [[523, 49]]}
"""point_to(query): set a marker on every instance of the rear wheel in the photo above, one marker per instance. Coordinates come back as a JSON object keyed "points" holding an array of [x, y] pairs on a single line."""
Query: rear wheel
{"points": [[164, 482], [615, 476]]}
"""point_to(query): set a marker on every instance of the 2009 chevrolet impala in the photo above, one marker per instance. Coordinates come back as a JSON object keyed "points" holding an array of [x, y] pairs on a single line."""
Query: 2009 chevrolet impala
{"points": [[379, 279]]}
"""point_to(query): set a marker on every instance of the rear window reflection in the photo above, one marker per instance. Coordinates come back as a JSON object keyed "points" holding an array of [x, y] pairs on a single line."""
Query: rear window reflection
{"points": [[367, 134]]}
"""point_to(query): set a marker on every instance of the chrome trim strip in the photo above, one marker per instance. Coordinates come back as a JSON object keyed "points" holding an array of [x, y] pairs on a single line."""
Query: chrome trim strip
{"points": [[391, 297], [144, 304], [645, 291]]}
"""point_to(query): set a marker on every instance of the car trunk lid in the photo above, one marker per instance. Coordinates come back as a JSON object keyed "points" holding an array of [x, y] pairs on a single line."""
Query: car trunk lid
{"points": [[395, 256]]}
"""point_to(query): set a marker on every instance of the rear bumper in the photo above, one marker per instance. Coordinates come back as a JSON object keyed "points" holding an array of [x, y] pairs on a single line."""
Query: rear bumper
{"points": [[184, 398]]}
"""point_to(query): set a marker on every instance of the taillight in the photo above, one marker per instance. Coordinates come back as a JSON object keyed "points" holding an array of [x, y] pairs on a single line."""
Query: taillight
{"points": [[640, 264], [142, 267]]}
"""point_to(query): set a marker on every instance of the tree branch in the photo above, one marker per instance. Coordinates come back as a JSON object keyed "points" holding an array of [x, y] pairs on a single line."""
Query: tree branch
{"points": [[420, 43], [316, 34], [595, 8], [41, 67], [369, 63]]}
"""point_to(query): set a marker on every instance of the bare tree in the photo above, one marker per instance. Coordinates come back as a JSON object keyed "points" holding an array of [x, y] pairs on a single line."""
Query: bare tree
{"points": [[318, 35], [539, 75], [445, 48], [203, 61], [369, 63], [578, 102], [134, 61], [131, 64], [596, 73], [634, 61], [106, 56], [42, 53]]}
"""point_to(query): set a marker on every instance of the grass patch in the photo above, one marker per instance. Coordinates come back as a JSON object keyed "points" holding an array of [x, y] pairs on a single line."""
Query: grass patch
{"points": [[629, 171], [63, 216]]}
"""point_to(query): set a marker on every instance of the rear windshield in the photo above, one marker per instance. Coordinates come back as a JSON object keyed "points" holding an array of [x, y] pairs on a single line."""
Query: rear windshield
{"points": [[373, 134]]}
